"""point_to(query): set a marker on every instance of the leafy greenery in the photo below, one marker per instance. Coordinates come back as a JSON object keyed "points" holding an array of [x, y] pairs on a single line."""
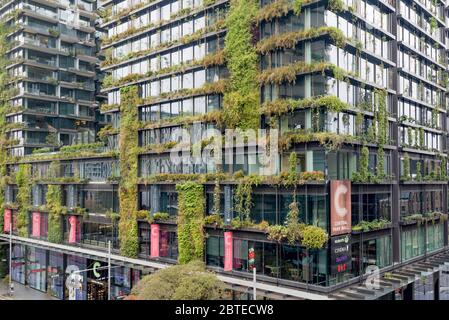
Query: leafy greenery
{"points": [[282, 106], [276, 9], [289, 72], [241, 99], [288, 40], [128, 146], [23, 181], [406, 163], [418, 171], [191, 209], [314, 237], [370, 225], [311, 237], [55, 211], [179, 282]]}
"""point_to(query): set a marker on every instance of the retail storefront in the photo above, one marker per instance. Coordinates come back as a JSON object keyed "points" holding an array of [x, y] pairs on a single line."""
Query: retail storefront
{"points": [[70, 277]]}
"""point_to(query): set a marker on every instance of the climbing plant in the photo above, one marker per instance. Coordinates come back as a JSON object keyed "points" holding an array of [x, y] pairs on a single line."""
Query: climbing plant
{"points": [[5, 94], [363, 174], [406, 168], [23, 181], [191, 209], [418, 171], [129, 149], [241, 97], [55, 212]]}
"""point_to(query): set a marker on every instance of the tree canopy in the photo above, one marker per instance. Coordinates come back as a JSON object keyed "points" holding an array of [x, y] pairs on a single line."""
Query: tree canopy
{"points": [[190, 281]]}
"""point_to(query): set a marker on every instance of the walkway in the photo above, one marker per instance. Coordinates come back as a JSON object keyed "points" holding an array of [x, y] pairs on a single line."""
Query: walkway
{"points": [[22, 292]]}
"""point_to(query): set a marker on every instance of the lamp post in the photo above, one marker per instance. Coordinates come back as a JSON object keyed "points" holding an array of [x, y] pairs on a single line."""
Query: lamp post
{"points": [[109, 270], [11, 288], [254, 284]]}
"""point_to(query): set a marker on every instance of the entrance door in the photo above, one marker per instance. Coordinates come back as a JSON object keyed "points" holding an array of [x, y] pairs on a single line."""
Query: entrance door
{"points": [[97, 290]]}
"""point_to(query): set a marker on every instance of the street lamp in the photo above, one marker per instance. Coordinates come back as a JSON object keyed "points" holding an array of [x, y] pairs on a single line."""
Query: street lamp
{"points": [[11, 286]]}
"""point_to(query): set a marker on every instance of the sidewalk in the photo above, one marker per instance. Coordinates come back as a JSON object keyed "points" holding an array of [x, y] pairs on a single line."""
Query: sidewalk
{"points": [[23, 293]]}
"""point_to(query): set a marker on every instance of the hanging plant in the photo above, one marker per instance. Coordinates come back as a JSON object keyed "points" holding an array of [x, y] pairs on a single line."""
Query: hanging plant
{"points": [[406, 168], [418, 171]]}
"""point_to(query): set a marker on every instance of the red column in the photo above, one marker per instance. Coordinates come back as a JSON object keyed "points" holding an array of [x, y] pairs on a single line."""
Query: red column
{"points": [[228, 252], [154, 251]]}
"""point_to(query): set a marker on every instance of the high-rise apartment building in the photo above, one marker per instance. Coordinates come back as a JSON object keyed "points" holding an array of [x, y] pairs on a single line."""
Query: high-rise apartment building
{"points": [[352, 184]]}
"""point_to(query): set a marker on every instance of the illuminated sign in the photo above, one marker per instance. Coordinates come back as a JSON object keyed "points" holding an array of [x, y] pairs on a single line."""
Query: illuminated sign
{"points": [[340, 207]]}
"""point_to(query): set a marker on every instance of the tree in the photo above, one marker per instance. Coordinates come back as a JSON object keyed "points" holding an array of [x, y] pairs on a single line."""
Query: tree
{"points": [[189, 281]]}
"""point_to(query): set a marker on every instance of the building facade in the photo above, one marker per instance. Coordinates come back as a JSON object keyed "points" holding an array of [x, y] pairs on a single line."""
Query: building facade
{"points": [[351, 92]]}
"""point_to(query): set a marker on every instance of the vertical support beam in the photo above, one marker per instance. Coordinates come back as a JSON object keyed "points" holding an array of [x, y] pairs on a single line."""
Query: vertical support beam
{"points": [[228, 204]]}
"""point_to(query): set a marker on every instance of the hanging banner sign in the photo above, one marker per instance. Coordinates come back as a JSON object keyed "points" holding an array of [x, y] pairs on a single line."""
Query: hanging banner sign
{"points": [[340, 207], [7, 220], [154, 251], [36, 225], [228, 253], [73, 221]]}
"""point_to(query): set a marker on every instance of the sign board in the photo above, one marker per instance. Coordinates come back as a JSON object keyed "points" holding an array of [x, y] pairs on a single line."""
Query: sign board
{"points": [[228, 254], [6, 220], [154, 242], [340, 254], [36, 225], [340, 207], [73, 221]]}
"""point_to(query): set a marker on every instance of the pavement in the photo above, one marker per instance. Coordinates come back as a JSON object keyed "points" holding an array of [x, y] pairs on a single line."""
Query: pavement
{"points": [[22, 292]]}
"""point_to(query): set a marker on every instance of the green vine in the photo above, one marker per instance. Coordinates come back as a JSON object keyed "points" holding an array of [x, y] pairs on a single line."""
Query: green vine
{"points": [[128, 146], [191, 206], [55, 212], [23, 181], [241, 99], [406, 168]]}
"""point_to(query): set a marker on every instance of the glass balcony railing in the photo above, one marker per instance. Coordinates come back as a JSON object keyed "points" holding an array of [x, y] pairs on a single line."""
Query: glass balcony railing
{"points": [[39, 43], [43, 61], [41, 11]]}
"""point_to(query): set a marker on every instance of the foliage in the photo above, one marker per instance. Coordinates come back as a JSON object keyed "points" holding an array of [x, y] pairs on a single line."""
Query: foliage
{"points": [[289, 72], [281, 106], [55, 211], [276, 9], [288, 40], [418, 171], [214, 219], [191, 209], [363, 174], [314, 237], [336, 5], [433, 24], [23, 181], [180, 282], [243, 197], [406, 163], [297, 6], [241, 99], [311, 237], [329, 140], [128, 146], [370, 225], [5, 94]]}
